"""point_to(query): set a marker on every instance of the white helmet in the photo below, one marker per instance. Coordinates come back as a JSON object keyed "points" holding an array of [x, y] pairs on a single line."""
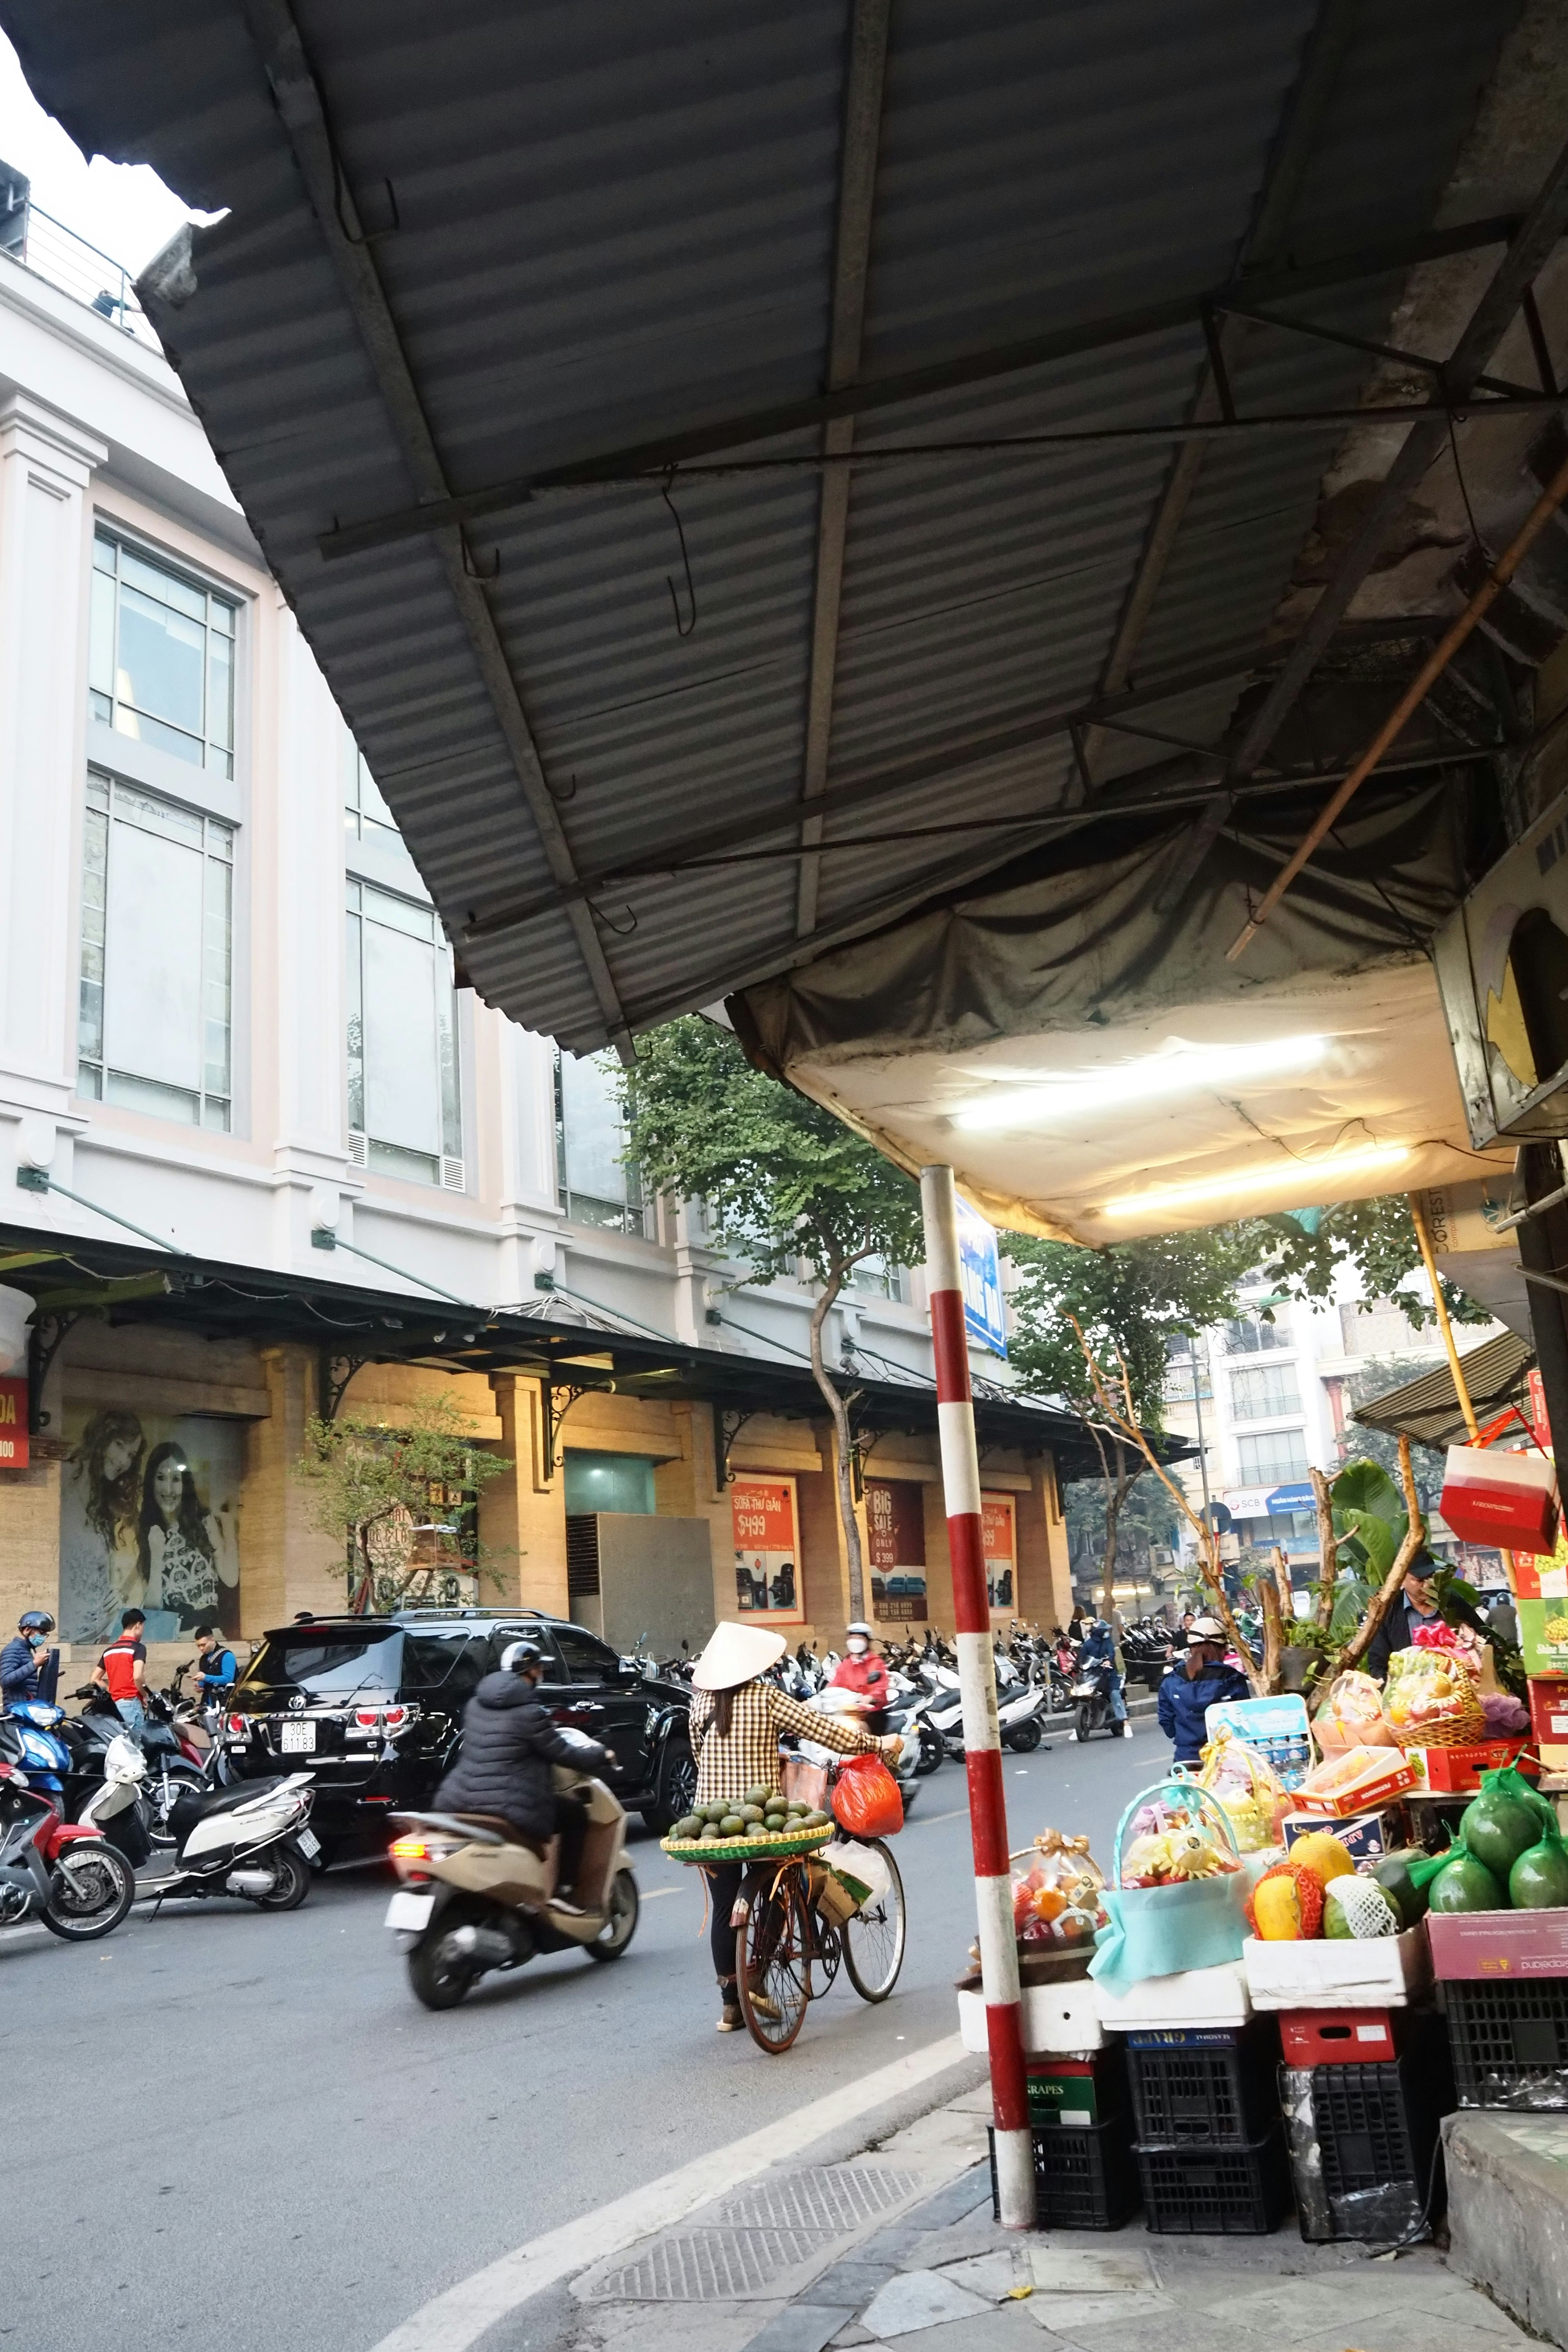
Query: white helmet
{"points": [[860, 1627]]}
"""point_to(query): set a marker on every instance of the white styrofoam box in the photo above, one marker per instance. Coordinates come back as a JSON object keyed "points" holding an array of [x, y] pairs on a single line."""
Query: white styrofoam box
{"points": [[1059, 2020], [1372, 1972], [1216, 1996]]}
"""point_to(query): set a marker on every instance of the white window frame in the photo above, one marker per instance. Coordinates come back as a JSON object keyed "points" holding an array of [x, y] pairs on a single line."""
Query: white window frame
{"points": [[1259, 1438], [1260, 1371], [218, 758], [628, 1217], [449, 1166], [220, 834]]}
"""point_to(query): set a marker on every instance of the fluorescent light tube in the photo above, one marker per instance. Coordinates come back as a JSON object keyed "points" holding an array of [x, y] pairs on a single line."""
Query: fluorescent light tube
{"points": [[1179, 1069], [1295, 1175]]}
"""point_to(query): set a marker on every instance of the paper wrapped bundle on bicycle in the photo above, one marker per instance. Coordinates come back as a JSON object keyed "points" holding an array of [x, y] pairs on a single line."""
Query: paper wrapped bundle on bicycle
{"points": [[765, 1823]]}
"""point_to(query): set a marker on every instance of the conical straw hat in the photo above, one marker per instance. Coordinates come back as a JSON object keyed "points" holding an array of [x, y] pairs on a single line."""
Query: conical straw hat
{"points": [[736, 1654]]}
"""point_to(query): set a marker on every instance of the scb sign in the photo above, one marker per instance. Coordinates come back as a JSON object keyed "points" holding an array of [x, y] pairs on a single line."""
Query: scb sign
{"points": [[13, 1424]]}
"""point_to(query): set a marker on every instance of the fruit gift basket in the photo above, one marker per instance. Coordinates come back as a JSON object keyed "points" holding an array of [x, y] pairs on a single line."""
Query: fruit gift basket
{"points": [[1176, 1897], [1431, 1699], [765, 1825], [1057, 1890]]}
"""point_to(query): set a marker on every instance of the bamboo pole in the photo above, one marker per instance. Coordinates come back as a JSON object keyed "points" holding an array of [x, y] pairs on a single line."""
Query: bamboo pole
{"points": [[1462, 1389]]}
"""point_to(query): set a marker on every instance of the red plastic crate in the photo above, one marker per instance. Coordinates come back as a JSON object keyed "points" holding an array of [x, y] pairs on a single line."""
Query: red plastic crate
{"points": [[1337, 2037]]}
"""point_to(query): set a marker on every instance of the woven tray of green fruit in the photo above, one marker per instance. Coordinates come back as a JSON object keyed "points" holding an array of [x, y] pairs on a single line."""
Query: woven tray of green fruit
{"points": [[763, 1824]]}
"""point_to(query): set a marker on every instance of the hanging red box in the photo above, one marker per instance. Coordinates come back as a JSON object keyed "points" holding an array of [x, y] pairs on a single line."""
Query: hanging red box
{"points": [[1508, 1499]]}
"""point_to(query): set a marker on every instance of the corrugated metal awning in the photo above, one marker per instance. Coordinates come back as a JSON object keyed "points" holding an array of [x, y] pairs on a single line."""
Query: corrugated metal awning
{"points": [[1429, 1409], [654, 730]]}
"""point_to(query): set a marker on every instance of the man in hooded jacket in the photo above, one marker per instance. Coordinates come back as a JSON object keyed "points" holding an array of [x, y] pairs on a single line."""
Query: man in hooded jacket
{"points": [[509, 1743]]}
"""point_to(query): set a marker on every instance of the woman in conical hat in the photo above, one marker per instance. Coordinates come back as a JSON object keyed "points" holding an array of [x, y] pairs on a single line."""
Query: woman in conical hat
{"points": [[736, 1719]]}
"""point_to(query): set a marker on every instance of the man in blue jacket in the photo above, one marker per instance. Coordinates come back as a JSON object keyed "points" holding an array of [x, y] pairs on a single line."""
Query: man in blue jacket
{"points": [[1200, 1681], [22, 1661]]}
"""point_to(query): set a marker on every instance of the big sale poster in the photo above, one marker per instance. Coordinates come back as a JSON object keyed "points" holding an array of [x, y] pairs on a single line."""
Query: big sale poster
{"points": [[999, 1538], [766, 1525]]}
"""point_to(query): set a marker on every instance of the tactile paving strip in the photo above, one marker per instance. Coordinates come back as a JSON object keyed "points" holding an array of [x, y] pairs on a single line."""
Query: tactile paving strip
{"points": [[780, 2224]]}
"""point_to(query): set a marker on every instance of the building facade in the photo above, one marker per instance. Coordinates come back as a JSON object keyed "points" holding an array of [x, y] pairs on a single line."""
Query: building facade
{"points": [[260, 1149]]}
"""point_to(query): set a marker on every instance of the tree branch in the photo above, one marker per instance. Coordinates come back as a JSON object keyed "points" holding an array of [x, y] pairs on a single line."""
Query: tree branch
{"points": [[1382, 1600], [1328, 1549], [832, 1285]]}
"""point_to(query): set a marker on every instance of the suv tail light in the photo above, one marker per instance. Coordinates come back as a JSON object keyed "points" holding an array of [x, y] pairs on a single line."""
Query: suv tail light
{"points": [[366, 1719], [395, 1717], [238, 1727]]}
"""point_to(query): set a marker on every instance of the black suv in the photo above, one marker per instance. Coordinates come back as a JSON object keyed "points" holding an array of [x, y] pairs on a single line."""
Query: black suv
{"points": [[373, 1706]]}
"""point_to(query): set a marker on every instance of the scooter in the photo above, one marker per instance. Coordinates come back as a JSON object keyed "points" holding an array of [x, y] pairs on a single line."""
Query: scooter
{"points": [[252, 1840], [99, 1781], [175, 1765], [473, 1899], [1092, 1697], [64, 1873]]}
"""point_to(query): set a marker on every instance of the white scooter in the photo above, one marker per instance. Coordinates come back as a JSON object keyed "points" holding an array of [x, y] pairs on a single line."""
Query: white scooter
{"points": [[252, 1840], [1020, 1710]]}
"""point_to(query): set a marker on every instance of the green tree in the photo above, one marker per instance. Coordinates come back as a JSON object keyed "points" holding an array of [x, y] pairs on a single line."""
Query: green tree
{"points": [[373, 1479], [784, 1182], [1306, 1250], [1129, 1301]]}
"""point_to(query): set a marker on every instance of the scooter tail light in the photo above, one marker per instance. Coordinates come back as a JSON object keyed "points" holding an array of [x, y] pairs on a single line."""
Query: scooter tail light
{"points": [[409, 1849]]}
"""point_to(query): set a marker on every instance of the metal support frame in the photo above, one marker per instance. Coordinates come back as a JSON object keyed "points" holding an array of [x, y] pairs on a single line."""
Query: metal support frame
{"points": [[303, 114], [45, 1337], [331, 1381], [553, 1417], [958, 373], [857, 185], [728, 1424]]}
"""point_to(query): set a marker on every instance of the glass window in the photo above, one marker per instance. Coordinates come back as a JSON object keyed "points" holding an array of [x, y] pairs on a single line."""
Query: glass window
{"points": [[608, 1482], [455, 1660], [366, 816], [504, 1636], [155, 1014], [404, 1108], [325, 1665], [1270, 1388], [1251, 1335], [161, 656], [1276, 1458], [598, 1185], [586, 1660], [875, 1277]]}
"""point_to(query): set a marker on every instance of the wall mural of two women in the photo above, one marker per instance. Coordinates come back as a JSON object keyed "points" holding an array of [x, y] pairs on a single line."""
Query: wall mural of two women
{"points": [[149, 1513]]}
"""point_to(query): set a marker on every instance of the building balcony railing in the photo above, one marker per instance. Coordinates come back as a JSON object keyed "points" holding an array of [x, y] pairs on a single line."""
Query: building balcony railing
{"points": [[31, 237]]}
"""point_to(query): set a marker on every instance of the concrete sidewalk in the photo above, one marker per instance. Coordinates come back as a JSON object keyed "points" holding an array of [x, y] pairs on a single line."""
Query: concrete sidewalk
{"points": [[894, 2247]]}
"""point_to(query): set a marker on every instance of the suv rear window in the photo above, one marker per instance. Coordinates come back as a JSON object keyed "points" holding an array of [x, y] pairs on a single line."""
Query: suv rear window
{"points": [[328, 1665], [456, 1660]]}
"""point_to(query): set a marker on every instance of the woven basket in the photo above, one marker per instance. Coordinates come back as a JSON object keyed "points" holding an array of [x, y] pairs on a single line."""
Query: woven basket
{"points": [[1465, 1729], [764, 1849]]}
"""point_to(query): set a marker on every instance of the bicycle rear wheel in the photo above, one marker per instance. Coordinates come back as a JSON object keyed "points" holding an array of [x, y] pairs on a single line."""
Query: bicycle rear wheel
{"points": [[874, 1937], [774, 1970]]}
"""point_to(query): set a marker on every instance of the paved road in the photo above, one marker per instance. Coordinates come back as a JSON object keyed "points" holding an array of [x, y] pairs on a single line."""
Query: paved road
{"points": [[246, 2127]]}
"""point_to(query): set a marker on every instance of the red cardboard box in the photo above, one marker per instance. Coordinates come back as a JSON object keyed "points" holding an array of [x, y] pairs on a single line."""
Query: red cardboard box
{"points": [[1549, 1708], [1508, 1944], [1451, 1771], [1501, 1498], [1337, 2037]]}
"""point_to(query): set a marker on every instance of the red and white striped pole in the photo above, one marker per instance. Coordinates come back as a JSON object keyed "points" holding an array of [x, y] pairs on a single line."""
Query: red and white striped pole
{"points": [[977, 1684]]}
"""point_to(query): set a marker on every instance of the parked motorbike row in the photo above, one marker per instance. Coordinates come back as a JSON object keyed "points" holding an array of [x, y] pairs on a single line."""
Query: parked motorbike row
{"points": [[83, 1806]]}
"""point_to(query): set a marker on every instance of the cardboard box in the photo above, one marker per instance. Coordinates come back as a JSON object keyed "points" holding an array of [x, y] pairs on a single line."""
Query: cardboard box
{"points": [[1375, 1972], [1073, 2092], [1548, 1711], [1364, 1836], [1456, 1772], [1501, 1498], [1503, 1944], [1544, 1637], [1357, 1780]]}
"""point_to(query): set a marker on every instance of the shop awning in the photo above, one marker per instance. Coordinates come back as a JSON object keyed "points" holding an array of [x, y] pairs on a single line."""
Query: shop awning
{"points": [[572, 1344], [1429, 1409], [749, 474]]}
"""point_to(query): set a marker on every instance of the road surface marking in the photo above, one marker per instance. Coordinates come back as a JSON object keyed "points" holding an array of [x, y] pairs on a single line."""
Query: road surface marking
{"points": [[453, 2320], [929, 1820]]}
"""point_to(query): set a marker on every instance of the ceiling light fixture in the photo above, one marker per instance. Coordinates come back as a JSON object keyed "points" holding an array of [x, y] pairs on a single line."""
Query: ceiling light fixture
{"points": [[1178, 1069], [1299, 1175]]}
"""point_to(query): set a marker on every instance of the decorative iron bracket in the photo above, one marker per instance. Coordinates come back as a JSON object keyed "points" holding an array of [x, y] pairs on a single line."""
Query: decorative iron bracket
{"points": [[555, 1414], [727, 1428], [333, 1374], [45, 1338]]}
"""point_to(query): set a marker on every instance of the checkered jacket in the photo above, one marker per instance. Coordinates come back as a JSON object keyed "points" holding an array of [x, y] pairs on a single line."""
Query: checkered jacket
{"points": [[749, 1756]]}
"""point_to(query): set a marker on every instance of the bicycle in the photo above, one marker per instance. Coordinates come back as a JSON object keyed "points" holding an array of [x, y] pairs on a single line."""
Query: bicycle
{"points": [[789, 1951]]}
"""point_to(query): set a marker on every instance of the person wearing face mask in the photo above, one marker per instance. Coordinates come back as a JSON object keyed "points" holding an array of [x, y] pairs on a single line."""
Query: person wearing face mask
{"points": [[24, 1660], [860, 1670]]}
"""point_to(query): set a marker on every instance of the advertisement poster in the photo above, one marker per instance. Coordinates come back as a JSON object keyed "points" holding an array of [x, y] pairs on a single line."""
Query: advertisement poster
{"points": [[896, 1541], [150, 1515], [14, 1446], [767, 1571], [1000, 1537], [984, 1316]]}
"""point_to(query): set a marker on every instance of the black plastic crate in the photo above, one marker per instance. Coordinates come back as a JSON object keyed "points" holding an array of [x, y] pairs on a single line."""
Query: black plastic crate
{"points": [[1084, 2179], [1213, 2088], [1222, 2192], [1378, 2129], [1510, 2042]]}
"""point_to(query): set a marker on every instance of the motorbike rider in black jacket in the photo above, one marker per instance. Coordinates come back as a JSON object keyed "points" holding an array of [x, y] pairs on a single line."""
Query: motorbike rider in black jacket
{"points": [[509, 1742]]}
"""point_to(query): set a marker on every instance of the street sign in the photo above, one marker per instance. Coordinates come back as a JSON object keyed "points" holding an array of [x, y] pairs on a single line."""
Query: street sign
{"points": [[982, 1273]]}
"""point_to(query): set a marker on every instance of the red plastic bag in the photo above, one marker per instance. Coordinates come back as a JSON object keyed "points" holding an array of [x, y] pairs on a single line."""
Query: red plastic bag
{"points": [[866, 1802]]}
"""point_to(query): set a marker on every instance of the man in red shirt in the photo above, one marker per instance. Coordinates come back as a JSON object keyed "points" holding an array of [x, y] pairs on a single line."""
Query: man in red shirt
{"points": [[122, 1672], [861, 1670]]}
